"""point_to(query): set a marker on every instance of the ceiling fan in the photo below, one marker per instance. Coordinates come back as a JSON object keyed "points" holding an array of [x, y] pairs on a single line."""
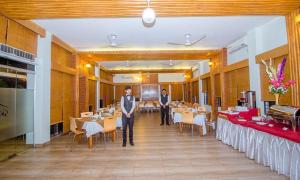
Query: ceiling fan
{"points": [[188, 41], [113, 41]]}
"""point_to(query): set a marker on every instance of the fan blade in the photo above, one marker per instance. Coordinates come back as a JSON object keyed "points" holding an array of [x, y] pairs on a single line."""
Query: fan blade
{"points": [[203, 37], [172, 43]]}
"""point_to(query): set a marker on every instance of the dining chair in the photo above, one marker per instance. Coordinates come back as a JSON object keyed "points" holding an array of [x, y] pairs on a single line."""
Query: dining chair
{"points": [[188, 118], [86, 114], [76, 128], [110, 127]]}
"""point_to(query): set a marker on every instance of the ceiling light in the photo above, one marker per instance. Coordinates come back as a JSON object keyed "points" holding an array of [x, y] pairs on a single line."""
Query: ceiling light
{"points": [[210, 63], [88, 65], [148, 15]]}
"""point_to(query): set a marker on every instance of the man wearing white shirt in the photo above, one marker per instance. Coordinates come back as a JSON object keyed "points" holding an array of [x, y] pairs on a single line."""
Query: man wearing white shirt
{"points": [[164, 101], [127, 106]]}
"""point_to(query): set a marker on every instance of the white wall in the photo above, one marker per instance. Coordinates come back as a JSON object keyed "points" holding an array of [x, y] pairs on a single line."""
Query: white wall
{"points": [[260, 39], [126, 78], [42, 91], [171, 77], [236, 56], [135, 78], [271, 35]]}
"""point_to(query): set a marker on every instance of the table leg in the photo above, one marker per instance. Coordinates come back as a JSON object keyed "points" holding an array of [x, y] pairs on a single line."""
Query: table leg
{"points": [[90, 143]]}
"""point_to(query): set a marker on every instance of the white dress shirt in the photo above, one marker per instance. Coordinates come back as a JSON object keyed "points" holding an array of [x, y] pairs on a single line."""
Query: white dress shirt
{"points": [[167, 102], [122, 105]]}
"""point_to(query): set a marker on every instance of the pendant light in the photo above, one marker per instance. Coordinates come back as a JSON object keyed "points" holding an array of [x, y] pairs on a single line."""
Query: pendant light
{"points": [[149, 15]]}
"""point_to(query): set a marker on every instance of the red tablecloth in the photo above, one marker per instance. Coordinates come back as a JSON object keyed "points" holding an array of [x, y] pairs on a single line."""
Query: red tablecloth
{"points": [[275, 130]]}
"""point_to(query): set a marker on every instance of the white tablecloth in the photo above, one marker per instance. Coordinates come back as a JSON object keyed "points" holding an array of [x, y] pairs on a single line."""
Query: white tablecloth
{"points": [[92, 127], [279, 154], [198, 120]]}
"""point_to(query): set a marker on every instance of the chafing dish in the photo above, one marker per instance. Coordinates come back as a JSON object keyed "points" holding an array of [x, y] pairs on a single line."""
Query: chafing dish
{"points": [[285, 114]]}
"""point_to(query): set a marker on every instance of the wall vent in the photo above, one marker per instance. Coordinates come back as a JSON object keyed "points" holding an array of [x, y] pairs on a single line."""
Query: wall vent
{"points": [[16, 52]]}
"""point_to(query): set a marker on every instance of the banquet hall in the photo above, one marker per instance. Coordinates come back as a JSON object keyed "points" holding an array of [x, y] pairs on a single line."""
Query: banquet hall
{"points": [[208, 89]]}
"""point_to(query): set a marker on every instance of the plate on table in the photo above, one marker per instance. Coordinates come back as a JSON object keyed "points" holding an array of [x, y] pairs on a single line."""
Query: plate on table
{"points": [[261, 123], [256, 118]]}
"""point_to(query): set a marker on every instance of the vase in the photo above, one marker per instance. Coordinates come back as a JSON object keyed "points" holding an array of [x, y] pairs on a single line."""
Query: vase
{"points": [[277, 98]]}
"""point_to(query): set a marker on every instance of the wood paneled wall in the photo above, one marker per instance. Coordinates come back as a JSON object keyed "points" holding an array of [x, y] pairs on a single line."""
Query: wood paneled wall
{"points": [[277, 55], [3, 28], [293, 30], [149, 78], [237, 81], [92, 95], [56, 110], [106, 94], [195, 91], [106, 76], [206, 88], [17, 35], [63, 86], [218, 85], [187, 92], [176, 92]]}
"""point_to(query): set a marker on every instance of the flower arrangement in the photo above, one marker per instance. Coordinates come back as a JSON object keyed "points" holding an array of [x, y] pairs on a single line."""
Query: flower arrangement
{"points": [[277, 84]]}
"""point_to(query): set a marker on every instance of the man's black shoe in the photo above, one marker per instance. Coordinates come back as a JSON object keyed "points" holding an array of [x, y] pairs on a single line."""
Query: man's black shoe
{"points": [[124, 145], [132, 144]]}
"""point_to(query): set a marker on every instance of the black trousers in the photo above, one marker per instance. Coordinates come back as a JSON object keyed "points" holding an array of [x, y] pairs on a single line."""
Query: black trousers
{"points": [[127, 122], [164, 114]]}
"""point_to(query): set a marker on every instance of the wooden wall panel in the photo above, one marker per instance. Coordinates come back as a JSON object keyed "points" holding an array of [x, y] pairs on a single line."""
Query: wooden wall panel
{"points": [[149, 78], [293, 31], [3, 25], [237, 81], [136, 91], [195, 91], [92, 94], [218, 85], [61, 56], [187, 92], [119, 92], [206, 88], [164, 86], [106, 75], [68, 100], [265, 95], [176, 92], [56, 97], [20, 37]]}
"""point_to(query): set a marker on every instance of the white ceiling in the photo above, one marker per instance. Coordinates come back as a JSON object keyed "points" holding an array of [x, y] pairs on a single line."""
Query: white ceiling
{"points": [[144, 65], [91, 34]]}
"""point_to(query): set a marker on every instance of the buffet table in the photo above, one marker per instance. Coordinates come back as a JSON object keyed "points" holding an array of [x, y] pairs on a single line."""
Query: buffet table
{"points": [[269, 145]]}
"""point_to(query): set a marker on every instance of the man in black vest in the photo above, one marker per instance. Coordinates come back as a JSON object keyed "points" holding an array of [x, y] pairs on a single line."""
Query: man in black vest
{"points": [[127, 106], [164, 107]]}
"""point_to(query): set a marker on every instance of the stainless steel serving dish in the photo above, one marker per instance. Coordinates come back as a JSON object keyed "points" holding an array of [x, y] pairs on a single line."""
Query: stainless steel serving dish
{"points": [[285, 114]]}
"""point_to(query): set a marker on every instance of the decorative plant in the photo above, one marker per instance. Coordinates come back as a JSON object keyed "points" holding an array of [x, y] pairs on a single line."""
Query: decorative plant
{"points": [[277, 84]]}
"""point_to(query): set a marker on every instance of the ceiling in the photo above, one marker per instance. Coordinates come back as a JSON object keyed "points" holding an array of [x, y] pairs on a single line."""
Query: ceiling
{"points": [[37, 9], [91, 34], [150, 65]]}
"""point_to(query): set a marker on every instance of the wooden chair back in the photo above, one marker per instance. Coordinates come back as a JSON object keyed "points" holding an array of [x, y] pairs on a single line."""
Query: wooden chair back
{"points": [[109, 124], [79, 124], [188, 117]]}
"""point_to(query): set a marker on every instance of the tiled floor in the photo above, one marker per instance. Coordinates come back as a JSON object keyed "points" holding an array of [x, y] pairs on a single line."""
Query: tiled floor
{"points": [[159, 153]]}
